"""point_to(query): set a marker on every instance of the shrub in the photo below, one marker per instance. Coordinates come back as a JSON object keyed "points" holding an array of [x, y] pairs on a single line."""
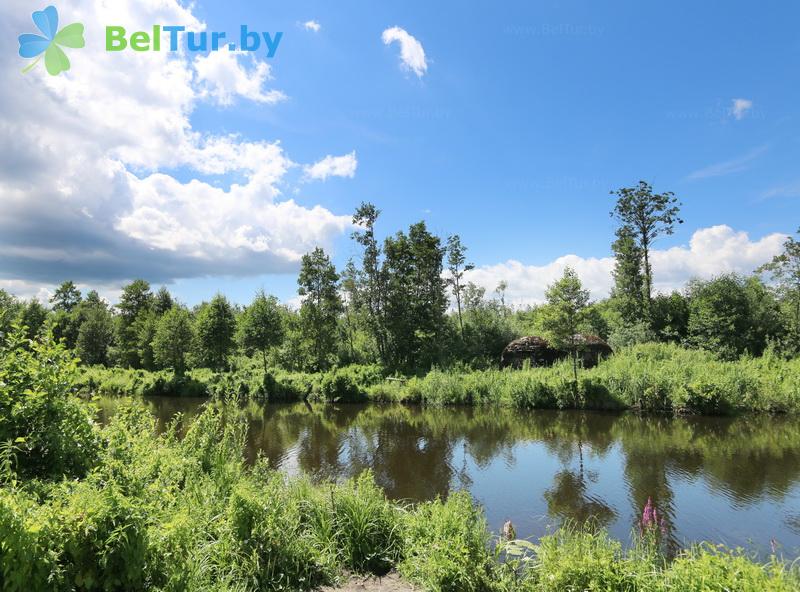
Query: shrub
{"points": [[367, 528], [446, 546], [275, 552], [578, 559], [55, 432], [715, 568]]}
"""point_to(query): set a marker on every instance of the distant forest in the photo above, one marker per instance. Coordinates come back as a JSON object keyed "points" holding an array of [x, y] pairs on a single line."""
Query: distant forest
{"points": [[406, 304]]}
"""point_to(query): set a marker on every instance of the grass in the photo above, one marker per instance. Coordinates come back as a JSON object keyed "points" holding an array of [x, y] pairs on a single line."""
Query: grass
{"points": [[650, 377]]}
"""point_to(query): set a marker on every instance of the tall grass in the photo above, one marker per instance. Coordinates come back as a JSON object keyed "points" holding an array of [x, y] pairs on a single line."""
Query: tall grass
{"points": [[648, 377]]}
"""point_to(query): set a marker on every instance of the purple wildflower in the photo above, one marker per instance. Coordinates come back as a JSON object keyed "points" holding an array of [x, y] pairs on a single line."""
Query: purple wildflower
{"points": [[650, 517]]}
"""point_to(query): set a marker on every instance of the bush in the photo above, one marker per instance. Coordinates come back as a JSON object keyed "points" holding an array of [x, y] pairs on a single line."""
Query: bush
{"points": [[715, 568], [577, 559], [367, 528], [54, 432], [446, 546]]}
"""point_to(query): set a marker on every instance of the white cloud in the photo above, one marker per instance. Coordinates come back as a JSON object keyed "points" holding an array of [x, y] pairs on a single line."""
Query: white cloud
{"points": [[412, 55], [728, 167], [312, 26], [739, 107], [89, 194], [333, 166], [222, 76], [711, 251]]}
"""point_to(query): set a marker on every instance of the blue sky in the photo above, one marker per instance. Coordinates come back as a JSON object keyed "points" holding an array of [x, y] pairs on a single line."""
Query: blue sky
{"points": [[527, 115]]}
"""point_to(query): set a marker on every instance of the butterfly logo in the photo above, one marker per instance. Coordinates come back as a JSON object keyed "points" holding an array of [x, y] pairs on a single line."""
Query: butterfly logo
{"points": [[33, 46]]}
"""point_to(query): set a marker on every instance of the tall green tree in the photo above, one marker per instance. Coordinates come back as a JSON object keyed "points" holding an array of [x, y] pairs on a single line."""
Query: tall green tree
{"points": [[670, 317], [318, 286], [66, 297], [564, 316], [173, 340], [784, 270], [136, 297], [457, 266], [371, 285], [9, 311], [162, 301], [628, 292], [215, 327], [644, 216], [134, 303], [95, 335], [416, 298], [33, 316], [260, 326]]}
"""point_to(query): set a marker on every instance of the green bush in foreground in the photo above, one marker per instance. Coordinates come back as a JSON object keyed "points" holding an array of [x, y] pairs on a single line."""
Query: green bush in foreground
{"points": [[45, 431]]}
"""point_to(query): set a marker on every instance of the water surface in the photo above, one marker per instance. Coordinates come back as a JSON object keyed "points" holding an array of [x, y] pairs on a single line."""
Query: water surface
{"points": [[728, 480]]}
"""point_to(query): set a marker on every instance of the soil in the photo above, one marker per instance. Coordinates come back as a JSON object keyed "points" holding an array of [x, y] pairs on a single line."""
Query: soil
{"points": [[388, 583]]}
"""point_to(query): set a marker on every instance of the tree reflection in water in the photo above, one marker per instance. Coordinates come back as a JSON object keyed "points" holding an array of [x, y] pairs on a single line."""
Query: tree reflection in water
{"points": [[419, 453]]}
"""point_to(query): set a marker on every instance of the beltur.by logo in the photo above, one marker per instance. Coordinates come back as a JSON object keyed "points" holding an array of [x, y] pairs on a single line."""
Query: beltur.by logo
{"points": [[50, 44], [167, 38], [117, 40]]}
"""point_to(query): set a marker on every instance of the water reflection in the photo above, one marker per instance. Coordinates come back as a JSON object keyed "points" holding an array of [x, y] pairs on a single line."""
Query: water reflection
{"points": [[731, 480]]}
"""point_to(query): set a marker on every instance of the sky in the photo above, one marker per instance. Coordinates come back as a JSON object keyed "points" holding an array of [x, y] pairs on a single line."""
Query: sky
{"points": [[506, 123]]}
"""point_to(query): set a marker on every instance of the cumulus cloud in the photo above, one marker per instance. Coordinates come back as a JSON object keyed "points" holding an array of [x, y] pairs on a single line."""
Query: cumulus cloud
{"points": [[90, 191], [223, 75], [728, 167], [333, 166], [412, 55], [312, 26], [711, 251], [739, 107]]}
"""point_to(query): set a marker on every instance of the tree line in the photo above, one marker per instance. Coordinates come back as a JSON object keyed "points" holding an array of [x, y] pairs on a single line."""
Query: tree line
{"points": [[406, 303]]}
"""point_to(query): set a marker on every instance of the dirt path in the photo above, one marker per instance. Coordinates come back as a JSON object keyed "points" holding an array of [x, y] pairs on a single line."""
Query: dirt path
{"points": [[388, 583]]}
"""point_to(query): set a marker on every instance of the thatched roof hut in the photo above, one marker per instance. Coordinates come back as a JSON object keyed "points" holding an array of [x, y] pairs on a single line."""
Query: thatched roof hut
{"points": [[538, 352]]}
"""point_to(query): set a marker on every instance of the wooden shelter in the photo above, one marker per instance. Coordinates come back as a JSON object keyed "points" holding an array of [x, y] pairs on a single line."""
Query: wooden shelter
{"points": [[538, 352]]}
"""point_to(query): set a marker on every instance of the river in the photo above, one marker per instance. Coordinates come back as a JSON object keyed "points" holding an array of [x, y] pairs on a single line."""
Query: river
{"points": [[726, 480]]}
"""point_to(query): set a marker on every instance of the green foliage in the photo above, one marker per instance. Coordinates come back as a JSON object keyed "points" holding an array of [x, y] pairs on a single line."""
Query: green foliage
{"points": [[643, 216], [215, 328], [731, 316], [56, 434], [345, 385], [565, 314], [260, 326], [446, 546], [34, 317], [650, 377], [66, 297], [173, 340], [95, 336], [577, 559], [367, 531], [167, 513], [628, 293], [705, 568], [321, 306], [785, 272], [415, 299]]}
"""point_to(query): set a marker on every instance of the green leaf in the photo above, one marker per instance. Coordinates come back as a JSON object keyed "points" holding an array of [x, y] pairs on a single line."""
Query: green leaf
{"points": [[71, 36], [55, 60]]}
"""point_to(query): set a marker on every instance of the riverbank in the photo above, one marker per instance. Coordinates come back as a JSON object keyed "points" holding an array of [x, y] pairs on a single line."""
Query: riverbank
{"points": [[661, 378], [164, 512]]}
